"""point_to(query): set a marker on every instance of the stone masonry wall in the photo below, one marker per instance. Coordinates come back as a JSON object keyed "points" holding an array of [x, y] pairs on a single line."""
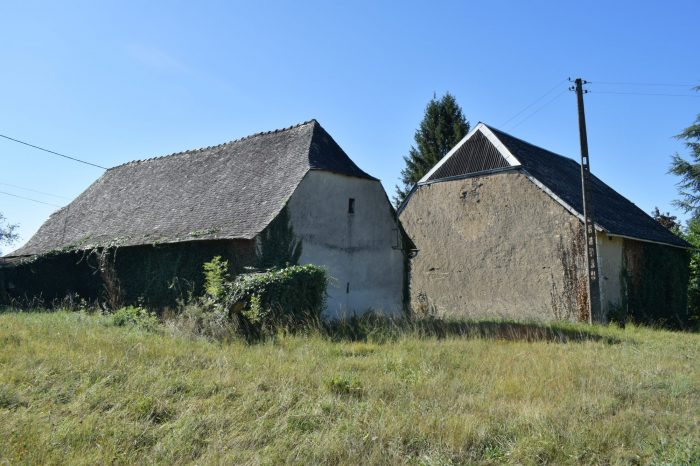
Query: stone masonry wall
{"points": [[495, 246]]}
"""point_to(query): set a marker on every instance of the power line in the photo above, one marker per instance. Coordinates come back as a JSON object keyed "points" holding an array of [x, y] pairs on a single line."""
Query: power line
{"points": [[534, 102], [33, 190], [53, 152], [29, 199], [538, 110], [617, 83], [646, 93]]}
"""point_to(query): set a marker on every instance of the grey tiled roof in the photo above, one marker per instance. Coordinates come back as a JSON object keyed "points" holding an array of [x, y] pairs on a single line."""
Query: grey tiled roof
{"points": [[232, 190], [611, 210]]}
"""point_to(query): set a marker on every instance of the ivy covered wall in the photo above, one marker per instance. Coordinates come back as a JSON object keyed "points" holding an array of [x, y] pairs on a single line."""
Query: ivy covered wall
{"points": [[154, 275], [655, 283]]}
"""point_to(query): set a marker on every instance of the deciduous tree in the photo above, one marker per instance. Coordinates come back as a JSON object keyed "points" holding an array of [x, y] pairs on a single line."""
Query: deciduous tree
{"points": [[8, 232]]}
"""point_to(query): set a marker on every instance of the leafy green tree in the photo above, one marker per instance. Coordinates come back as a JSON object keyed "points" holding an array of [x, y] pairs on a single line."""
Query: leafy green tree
{"points": [[443, 126], [692, 235], [8, 232], [689, 170], [278, 245]]}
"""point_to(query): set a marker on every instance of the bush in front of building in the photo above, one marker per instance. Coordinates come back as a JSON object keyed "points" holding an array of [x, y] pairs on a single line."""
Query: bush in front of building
{"points": [[255, 305], [291, 297]]}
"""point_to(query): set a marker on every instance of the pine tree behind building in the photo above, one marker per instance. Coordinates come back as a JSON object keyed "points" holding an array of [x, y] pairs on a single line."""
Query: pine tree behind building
{"points": [[443, 126]]}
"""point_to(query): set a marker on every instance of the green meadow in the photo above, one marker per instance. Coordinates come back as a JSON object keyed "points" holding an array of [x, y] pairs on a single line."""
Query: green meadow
{"points": [[76, 389]]}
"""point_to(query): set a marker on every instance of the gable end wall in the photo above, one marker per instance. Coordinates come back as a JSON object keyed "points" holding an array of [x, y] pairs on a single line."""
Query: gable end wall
{"points": [[359, 250], [495, 246]]}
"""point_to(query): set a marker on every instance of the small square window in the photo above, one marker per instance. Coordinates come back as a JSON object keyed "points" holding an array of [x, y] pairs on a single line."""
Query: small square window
{"points": [[351, 206]]}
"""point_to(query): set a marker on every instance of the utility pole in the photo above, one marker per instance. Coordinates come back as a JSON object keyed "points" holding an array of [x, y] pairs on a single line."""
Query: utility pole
{"points": [[589, 225]]}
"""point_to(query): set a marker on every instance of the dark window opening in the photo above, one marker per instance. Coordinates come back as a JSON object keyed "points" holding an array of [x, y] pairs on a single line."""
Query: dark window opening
{"points": [[396, 244], [351, 206], [347, 288]]}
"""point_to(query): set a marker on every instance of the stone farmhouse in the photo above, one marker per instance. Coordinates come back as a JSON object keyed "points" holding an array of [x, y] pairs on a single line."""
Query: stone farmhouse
{"points": [[167, 215], [498, 225]]}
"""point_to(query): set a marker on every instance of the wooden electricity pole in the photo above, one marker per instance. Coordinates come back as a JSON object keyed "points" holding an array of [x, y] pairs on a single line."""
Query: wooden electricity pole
{"points": [[593, 286]]}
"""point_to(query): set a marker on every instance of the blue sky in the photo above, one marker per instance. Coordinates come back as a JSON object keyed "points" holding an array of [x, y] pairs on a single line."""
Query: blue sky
{"points": [[111, 82]]}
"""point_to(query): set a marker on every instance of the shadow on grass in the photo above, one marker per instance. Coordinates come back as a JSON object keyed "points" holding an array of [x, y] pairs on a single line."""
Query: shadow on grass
{"points": [[380, 329]]}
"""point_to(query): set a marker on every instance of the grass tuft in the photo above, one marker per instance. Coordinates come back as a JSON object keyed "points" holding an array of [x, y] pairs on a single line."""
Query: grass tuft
{"points": [[345, 385]]}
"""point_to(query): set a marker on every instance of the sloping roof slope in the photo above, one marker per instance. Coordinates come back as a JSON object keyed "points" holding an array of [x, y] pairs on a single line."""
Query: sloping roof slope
{"points": [[232, 190], [561, 177]]}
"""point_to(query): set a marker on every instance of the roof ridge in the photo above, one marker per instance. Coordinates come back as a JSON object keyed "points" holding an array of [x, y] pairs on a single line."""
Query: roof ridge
{"points": [[200, 149]]}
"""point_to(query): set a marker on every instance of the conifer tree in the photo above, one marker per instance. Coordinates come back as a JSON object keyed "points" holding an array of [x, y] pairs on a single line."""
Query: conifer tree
{"points": [[689, 170], [443, 126], [689, 189]]}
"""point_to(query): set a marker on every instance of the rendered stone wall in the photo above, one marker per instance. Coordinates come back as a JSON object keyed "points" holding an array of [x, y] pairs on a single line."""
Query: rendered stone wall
{"points": [[361, 250], [495, 246]]}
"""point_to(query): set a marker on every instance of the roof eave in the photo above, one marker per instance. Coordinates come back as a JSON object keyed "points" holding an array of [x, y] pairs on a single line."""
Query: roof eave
{"points": [[688, 246]]}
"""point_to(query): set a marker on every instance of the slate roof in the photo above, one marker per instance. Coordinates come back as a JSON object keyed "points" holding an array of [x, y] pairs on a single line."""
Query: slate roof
{"points": [[233, 190], [562, 176]]}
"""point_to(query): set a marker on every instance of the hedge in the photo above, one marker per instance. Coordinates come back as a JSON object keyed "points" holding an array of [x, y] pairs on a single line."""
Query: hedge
{"points": [[289, 297]]}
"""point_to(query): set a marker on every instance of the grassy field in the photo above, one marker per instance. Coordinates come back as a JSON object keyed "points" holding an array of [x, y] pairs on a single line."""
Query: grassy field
{"points": [[74, 389]]}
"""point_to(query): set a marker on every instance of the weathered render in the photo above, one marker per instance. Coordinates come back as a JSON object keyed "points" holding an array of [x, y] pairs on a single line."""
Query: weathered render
{"points": [[497, 224], [161, 218], [494, 245], [361, 250]]}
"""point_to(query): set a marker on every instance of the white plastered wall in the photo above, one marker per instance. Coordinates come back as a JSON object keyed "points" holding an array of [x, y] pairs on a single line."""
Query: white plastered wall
{"points": [[360, 250], [610, 263]]}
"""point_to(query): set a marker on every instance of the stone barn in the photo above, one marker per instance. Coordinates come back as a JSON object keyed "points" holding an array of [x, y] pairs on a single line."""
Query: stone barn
{"points": [[161, 218], [499, 232]]}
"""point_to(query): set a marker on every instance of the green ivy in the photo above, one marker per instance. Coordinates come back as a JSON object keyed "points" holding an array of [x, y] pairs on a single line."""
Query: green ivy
{"points": [[656, 290], [290, 297], [278, 246]]}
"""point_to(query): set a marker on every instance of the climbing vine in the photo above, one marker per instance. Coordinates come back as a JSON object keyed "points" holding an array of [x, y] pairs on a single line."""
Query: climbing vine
{"points": [[278, 246], [655, 282], [571, 302]]}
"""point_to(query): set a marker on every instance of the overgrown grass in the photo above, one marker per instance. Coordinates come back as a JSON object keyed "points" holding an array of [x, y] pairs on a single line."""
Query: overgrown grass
{"points": [[75, 388]]}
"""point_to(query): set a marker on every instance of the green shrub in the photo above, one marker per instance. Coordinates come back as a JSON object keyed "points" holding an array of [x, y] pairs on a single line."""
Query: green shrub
{"points": [[290, 298], [254, 305], [215, 275], [134, 316]]}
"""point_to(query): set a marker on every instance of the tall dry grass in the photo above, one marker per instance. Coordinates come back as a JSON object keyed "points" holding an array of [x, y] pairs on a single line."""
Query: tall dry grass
{"points": [[75, 389]]}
